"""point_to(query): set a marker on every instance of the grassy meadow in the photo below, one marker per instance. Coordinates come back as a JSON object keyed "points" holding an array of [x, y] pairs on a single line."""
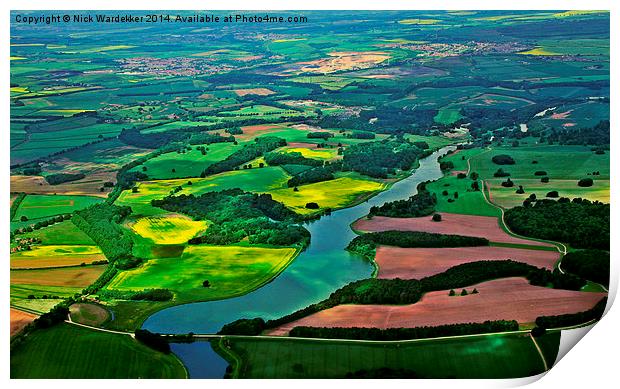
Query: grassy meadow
{"points": [[230, 270], [496, 356], [68, 351]]}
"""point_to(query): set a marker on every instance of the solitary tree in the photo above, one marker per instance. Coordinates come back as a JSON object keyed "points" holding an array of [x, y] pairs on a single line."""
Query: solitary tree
{"points": [[452, 292], [206, 283], [436, 217], [463, 292]]}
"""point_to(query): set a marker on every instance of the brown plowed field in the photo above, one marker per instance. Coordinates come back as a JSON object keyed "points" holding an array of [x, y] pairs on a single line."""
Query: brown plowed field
{"points": [[252, 131], [397, 262], [254, 91], [19, 320], [87, 186], [302, 144], [77, 276], [503, 299], [451, 223]]}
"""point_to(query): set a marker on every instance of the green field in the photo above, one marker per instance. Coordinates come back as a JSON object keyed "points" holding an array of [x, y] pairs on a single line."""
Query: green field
{"points": [[188, 164], [230, 270], [496, 356], [61, 233], [448, 115], [67, 351], [19, 296], [559, 161], [506, 197], [564, 165], [43, 206], [469, 202]]}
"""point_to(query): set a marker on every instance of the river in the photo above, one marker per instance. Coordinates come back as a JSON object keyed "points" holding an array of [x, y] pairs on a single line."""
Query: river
{"points": [[319, 270]]}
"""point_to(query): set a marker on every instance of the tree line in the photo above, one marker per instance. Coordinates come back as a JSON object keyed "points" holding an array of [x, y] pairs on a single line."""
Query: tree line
{"points": [[373, 333]]}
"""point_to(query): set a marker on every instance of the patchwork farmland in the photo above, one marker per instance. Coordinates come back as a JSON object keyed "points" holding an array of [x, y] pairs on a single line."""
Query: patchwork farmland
{"points": [[386, 195]]}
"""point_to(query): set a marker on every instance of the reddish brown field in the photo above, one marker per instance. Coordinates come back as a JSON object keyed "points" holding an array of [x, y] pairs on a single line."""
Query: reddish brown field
{"points": [[303, 144], [451, 223], [504, 299], [252, 131], [397, 262], [254, 91], [19, 320], [456, 172]]}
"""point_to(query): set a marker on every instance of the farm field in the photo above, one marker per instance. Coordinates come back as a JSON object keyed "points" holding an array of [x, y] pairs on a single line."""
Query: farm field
{"points": [[75, 276], [407, 263], [322, 154], [188, 164], [498, 356], [356, 114], [168, 230], [253, 180], [37, 185], [332, 194], [503, 299], [19, 320], [507, 198], [68, 351], [89, 314], [35, 207], [552, 159], [63, 233], [468, 201], [56, 256], [231, 271], [454, 224]]}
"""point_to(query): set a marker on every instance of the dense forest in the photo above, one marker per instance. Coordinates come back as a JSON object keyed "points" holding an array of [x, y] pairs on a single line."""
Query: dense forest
{"points": [[101, 223], [317, 174], [381, 158], [580, 223], [421, 204], [592, 265], [60, 178]]}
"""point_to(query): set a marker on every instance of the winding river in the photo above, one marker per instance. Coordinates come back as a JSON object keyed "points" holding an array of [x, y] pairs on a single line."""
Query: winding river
{"points": [[319, 270]]}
